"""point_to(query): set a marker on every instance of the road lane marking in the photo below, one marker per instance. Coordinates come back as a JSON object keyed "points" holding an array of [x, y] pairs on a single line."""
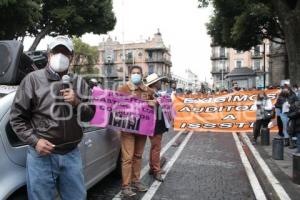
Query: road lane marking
{"points": [[146, 168], [154, 187], [282, 194], [256, 187]]}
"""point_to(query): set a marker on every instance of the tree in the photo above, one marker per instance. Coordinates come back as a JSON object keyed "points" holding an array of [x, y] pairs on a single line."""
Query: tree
{"points": [[245, 23], [18, 16], [73, 18], [85, 58]]}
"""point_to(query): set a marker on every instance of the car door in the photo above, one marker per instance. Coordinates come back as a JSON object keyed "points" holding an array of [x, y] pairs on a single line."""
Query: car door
{"points": [[14, 147], [102, 147]]}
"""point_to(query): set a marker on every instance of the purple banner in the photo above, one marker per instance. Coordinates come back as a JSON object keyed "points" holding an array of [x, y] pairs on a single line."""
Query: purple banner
{"points": [[167, 109], [122, 112]]}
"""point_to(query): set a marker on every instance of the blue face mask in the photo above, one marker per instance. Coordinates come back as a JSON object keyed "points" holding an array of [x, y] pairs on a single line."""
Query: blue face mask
{"points": [[136, 78]]}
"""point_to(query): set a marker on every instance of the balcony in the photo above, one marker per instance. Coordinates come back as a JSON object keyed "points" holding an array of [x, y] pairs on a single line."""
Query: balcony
{"points": [[158, 60], [219, 57], [257, 69], [257, 55], [219, 71]]}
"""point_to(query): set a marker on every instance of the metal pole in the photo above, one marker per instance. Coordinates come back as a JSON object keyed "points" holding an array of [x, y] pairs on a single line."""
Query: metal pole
{"points": [[296, 168], [222, 77], [264, 67], [123, 37], [277, 149]]}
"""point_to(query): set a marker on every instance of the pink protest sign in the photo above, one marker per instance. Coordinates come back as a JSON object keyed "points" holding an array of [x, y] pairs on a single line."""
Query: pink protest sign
{"points": [[122, 112], [167, 109]]}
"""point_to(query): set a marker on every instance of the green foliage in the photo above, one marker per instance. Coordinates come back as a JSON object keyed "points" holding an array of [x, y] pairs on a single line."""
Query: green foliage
{"points": [[18, 16], [85, 58], [242, 24], [203, 3], [54, 17], [76, 17]]}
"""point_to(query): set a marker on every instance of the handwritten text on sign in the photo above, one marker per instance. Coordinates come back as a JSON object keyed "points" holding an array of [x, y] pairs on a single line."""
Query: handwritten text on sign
{"points": [[218, 113], [122, 112]]}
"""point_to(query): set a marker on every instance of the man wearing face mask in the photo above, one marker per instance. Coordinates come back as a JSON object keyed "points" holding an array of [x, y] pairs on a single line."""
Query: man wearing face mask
{"points": [[132, 145], [46, 114], [283, 104]]}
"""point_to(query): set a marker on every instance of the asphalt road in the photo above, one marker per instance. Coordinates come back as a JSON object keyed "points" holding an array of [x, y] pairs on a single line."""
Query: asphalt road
{"points": [[202, 166]]}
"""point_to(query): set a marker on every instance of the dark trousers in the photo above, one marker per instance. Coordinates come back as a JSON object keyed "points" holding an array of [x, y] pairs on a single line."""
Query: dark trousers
{"points": [[259, 124], [280, 126]]}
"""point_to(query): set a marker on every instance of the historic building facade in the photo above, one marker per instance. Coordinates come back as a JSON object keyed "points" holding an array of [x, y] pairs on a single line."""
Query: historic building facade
{"points": [[243, 68], [152, 55]]}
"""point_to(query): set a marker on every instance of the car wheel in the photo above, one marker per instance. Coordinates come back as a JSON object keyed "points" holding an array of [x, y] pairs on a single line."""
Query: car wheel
{"points": [[20, 194]]}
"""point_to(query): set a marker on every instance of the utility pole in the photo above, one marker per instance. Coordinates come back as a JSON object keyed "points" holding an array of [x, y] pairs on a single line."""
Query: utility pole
{"points": [[123, 47], [264, 66]]}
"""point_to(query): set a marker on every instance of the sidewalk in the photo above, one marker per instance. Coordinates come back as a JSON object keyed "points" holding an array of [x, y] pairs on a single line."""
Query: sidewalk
{"points": [[281, 169]]}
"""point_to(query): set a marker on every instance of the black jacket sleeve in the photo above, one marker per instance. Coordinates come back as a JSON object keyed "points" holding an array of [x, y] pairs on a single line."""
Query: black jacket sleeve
{"points": [[20, 116]]}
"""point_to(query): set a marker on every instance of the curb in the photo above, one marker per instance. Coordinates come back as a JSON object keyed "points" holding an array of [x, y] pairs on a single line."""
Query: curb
{"points": [[272, 189]]}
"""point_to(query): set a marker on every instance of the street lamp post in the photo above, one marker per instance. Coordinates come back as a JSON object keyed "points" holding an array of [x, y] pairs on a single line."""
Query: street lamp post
{"points": [[264, 66], [222, 74], [264, 63]]}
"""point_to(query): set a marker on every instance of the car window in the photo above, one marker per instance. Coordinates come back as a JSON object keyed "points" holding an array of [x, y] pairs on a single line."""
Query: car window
{"points": [[88, 128], [12, 136]]}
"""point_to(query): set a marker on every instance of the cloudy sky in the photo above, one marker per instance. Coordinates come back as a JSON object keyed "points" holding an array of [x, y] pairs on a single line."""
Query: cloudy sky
{"points": [[181, 23]]}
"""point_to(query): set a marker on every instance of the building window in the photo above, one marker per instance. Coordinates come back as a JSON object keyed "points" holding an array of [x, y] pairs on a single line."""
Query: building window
{"points": [[129, 55], [256, 65], [109, 69], [238, 64], [257, 50], [239, 51], [159, 70], [150, 54], [151, 69], [222, 52], [222, 65]]}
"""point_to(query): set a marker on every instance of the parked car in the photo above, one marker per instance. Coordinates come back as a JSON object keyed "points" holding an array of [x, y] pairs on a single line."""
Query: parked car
{"points": [[100, 147]]}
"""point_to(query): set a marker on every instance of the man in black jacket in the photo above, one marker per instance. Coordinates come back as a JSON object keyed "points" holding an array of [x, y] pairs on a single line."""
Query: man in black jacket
{"points": [[46, 114], [294, 119]]}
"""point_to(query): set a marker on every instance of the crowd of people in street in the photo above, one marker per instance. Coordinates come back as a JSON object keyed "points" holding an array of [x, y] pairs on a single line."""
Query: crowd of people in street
{"points": [[45, 172]]}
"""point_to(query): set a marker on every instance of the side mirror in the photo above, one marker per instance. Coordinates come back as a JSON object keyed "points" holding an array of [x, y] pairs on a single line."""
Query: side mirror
{"points": [[10, 54]]}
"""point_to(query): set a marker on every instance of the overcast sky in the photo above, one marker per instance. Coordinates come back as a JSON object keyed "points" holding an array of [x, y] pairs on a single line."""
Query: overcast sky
{"points": [[181, 23]]}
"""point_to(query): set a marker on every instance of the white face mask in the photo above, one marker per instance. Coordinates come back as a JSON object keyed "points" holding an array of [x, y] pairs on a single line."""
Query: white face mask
{"points": [[59, 62]]}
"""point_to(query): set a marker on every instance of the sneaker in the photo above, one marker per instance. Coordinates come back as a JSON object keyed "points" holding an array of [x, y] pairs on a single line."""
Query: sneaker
{"points": [[158, 177], [127, 192], [138, 186]]}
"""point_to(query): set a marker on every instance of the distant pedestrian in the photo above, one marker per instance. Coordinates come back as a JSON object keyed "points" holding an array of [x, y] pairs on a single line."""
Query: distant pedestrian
{"points": [[154, 82], [296, 89], [283, 104], [263, 109], [294, 122]]}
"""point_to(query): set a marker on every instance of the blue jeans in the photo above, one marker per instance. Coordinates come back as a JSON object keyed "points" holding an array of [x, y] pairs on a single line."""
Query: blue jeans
{"points": [[284, 119], [46, 174]]}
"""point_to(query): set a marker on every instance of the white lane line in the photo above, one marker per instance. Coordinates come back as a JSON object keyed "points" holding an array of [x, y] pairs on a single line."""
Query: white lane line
{"points": [[256, 187], [154, 187], [282, 194], [162, 152]]}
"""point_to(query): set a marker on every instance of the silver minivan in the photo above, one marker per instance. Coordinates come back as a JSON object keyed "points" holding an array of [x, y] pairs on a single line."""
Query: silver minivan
{"points": [[100, 148]]}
